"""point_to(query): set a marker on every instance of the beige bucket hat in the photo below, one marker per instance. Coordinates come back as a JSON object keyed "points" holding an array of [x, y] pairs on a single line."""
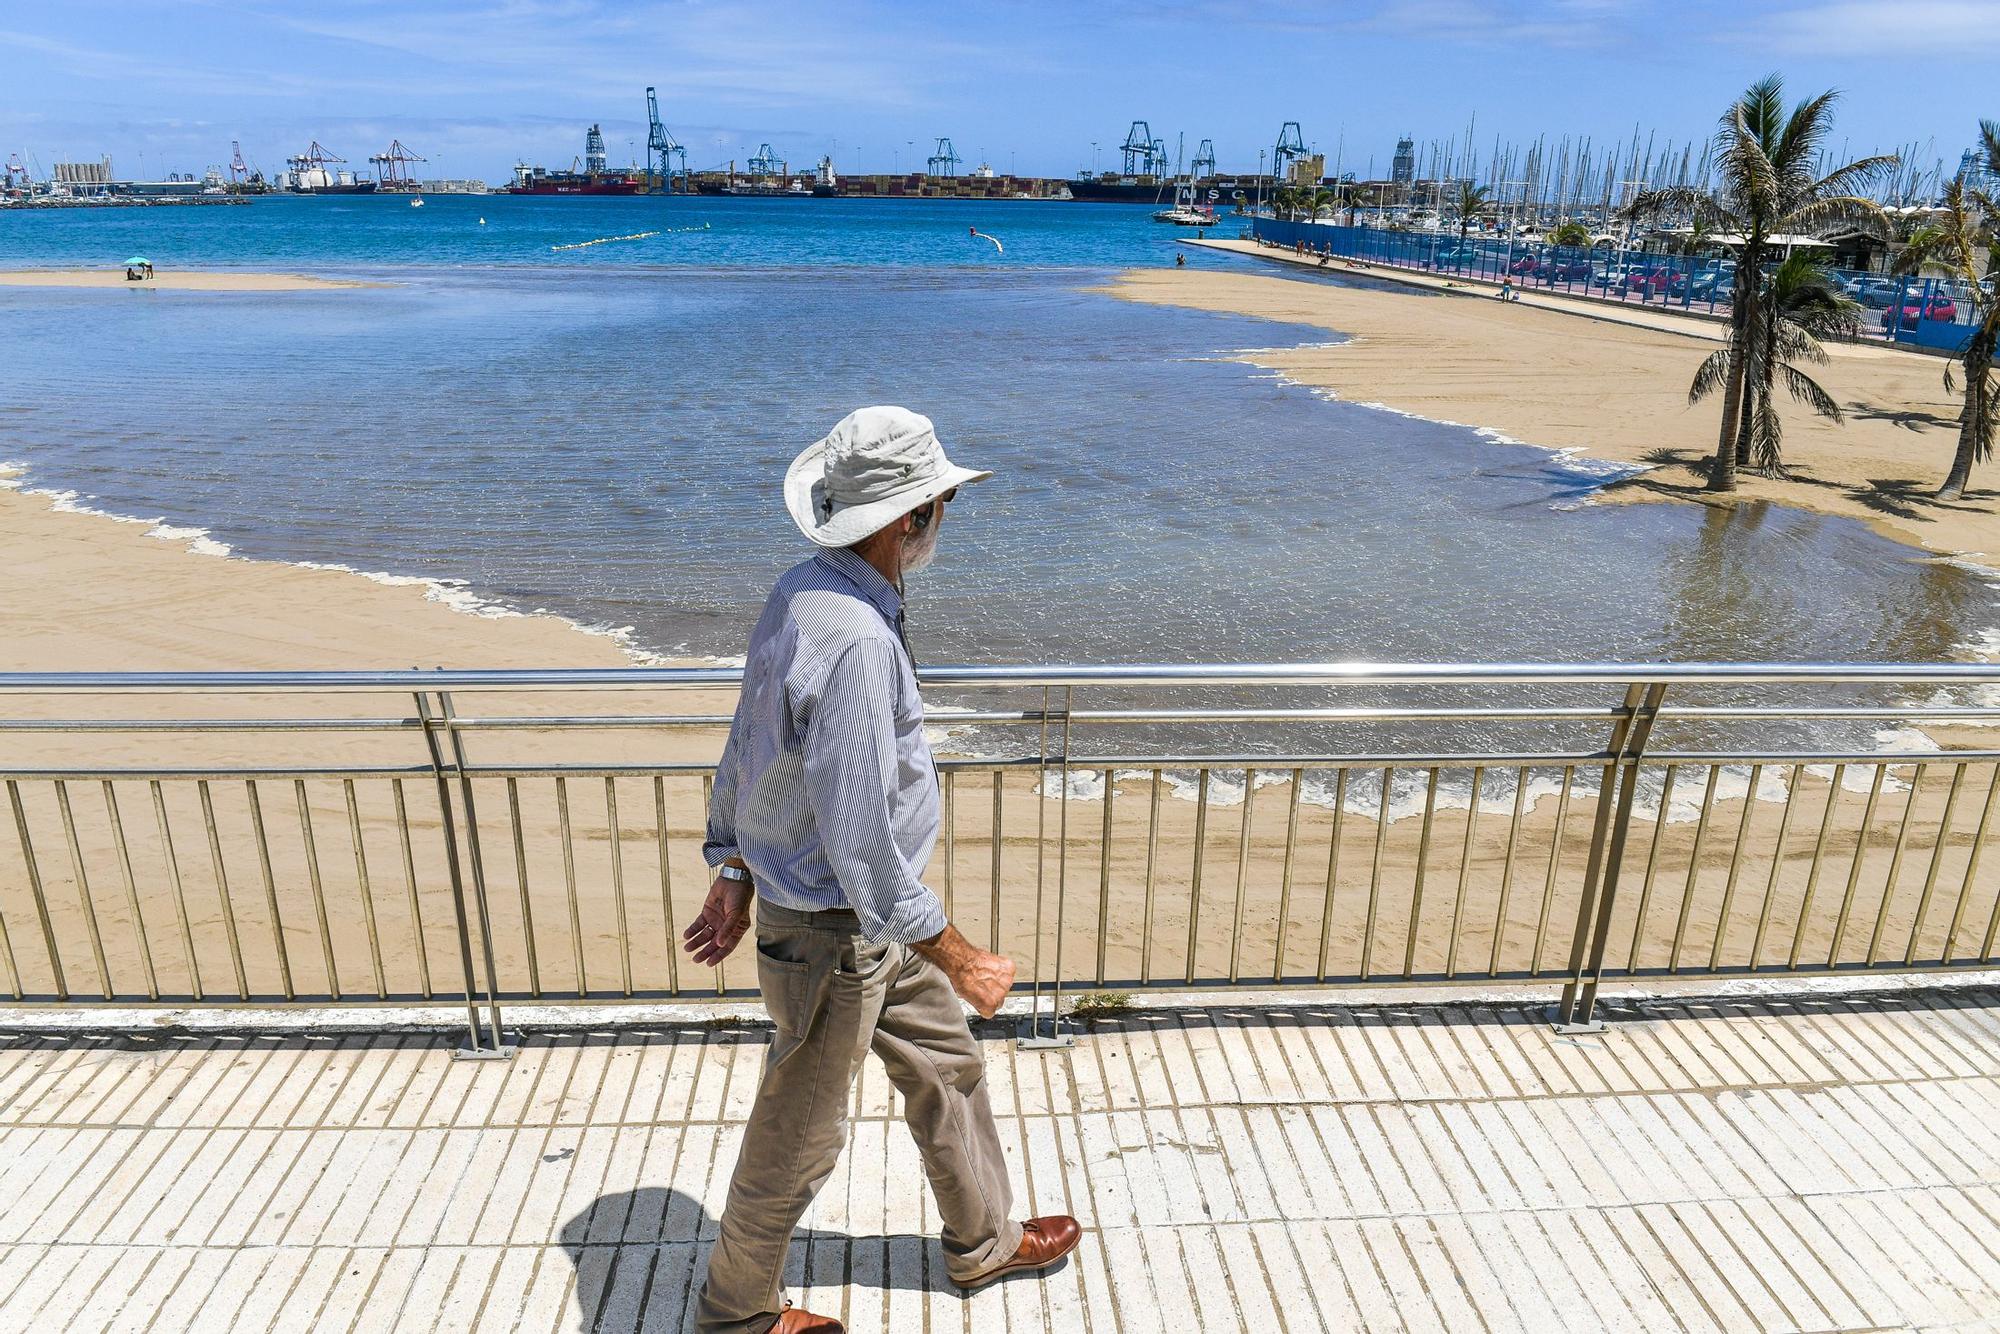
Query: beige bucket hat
{"points": [[874, 467]]}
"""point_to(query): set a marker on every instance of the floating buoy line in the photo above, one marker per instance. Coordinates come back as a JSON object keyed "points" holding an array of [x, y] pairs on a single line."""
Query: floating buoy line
{"points": [[635, 236]]}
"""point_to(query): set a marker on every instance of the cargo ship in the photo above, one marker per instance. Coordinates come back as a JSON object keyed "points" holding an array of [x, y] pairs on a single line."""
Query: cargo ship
{"points": [[1111, 188], [593, 179], [541, 181], [317, 172]]}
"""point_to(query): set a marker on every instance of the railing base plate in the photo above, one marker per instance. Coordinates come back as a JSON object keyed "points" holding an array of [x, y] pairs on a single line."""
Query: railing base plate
{"points": [[1555, 1018], [504, 1052], [1036, 1035]]}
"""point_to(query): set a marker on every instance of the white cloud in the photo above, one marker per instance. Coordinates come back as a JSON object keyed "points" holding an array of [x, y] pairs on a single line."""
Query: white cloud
{"points": [[1935, 29]]}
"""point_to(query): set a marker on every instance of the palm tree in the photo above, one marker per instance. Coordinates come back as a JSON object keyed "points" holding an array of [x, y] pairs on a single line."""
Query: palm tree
{"points": [[1319, 201], [1570, 233], [1472, 202], [1765, 159], [1801, 305], [1954, 243], [1285, 202]]}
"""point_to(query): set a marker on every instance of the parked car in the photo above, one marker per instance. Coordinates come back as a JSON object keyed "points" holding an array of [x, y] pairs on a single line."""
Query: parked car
{"points": [[1926, 308], [1525, 266], [1875, 293], [1648, 282]]}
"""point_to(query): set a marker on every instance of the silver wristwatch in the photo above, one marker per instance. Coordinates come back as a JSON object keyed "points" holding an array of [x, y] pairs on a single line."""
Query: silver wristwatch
{"points": [[728, 872]]}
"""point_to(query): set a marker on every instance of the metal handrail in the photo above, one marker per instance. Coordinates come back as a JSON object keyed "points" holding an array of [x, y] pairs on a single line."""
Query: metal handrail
{"points": [[501, 856], [1056, 675]]}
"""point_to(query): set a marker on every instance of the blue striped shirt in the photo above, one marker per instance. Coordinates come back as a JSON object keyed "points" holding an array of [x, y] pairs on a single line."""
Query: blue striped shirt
{"points": [[826, 789]]}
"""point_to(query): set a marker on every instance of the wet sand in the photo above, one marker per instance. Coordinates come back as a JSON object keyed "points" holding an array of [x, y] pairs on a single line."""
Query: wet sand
{"points": [[1555, 378], [193, 281]]}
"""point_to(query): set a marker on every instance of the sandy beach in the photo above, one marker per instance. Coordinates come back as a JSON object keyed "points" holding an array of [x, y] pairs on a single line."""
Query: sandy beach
{"points": [[1616, 391], [175, 281]]}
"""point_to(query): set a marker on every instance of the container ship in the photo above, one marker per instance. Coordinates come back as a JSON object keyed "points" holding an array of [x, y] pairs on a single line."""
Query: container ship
{"points": [[1111, 188], [593, 179]]}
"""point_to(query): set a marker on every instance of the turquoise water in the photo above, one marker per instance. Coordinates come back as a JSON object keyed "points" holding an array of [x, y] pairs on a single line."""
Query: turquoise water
{"points": [[602, 434], [385, 231]]}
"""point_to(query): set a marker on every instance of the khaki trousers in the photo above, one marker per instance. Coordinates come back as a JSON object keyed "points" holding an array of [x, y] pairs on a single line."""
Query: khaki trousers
{"points": [[833, 996]]}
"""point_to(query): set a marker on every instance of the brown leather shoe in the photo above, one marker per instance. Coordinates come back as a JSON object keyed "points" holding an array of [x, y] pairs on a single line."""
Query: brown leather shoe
{"points": [[1043, 1242], [795, 1321]]}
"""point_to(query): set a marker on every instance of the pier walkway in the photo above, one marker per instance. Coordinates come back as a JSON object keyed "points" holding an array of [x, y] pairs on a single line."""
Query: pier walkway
{"points": [[1745, 1164]]}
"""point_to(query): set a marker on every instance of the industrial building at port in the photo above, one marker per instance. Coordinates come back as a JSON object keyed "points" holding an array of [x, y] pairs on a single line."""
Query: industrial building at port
{"points": [[1148, 173]]}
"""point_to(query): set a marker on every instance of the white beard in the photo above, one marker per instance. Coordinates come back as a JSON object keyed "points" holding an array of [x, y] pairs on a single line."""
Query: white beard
{"points": [[921, 549]]}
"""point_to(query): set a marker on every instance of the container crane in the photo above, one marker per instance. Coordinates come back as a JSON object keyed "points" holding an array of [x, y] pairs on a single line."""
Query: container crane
{"points": [[943, 162], [1137, 150], [766, 163], [661, 148], [1203, 165], [239, 171], [1290, 147], [17, 173], [392, 166]]}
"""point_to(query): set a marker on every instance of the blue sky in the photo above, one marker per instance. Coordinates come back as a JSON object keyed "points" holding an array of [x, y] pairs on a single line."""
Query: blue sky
{"points": [[477, 84]]}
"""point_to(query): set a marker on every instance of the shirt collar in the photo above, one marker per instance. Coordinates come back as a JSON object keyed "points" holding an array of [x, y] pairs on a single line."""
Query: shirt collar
{"points": [[867, 580]]}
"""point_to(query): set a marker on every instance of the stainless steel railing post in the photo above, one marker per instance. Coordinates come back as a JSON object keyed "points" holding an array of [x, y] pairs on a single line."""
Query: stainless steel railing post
{"points": [[478, 1048], [1599, 892]]}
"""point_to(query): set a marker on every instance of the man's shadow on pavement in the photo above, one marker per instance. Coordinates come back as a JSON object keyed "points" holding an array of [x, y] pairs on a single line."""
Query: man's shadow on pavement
{"points": [[640, 1256]]}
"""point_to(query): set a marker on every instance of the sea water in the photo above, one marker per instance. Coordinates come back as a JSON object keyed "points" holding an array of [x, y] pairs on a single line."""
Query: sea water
{"points": [[605, 438]]}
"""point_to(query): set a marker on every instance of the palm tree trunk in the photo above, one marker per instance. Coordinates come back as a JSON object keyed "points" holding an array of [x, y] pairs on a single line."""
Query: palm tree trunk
{"points": [[1961, 462], [1722, 477], [1978, 355]]}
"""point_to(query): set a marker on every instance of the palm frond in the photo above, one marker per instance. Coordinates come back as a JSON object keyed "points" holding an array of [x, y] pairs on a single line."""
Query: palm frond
{"points": [[1809, 392], [1856, 175], [1710, 376], [1799, 140]]}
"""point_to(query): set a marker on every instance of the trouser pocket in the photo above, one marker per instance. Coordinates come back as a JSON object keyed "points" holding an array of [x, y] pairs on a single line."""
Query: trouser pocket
{"points": [[785, 984]]}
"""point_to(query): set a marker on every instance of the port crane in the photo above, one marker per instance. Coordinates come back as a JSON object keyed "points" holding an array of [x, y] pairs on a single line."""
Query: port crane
{"points": [[315, 158], [1203, 165], [1290, 147], [766, 163], [17, 173], [392, 166], [944, 162], [662, 149], [1137, 150], [239, 170]]}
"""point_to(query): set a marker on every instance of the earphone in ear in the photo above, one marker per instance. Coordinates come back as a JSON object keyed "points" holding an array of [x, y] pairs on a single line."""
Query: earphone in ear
{"points": [[922, 518]]}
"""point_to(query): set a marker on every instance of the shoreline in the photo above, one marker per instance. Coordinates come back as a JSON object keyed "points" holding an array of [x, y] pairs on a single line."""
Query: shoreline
{"points": [[1512, 373], [180, 594], [192, 280]]}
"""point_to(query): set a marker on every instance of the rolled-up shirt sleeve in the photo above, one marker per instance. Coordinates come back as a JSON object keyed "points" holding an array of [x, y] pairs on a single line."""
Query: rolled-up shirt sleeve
{"points": [[849, 742]]}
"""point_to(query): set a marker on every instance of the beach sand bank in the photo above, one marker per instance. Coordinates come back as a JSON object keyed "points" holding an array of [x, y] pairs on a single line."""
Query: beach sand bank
{"points": [[175, 281], [1618, 392]]}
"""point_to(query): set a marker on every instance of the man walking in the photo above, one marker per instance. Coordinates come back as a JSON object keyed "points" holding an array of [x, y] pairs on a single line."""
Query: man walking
{"points": [[825, 810]]}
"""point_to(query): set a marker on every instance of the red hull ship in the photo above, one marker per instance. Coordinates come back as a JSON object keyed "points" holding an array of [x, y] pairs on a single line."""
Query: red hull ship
{"points": [[539, 181]]}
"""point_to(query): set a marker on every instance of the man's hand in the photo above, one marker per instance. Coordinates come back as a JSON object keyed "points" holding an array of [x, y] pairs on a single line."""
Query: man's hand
{"points": [[982, 980], [721, 923]]}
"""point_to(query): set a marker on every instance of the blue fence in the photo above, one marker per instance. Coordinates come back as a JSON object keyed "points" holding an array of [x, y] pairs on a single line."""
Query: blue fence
{"points": [[1928, 312]]}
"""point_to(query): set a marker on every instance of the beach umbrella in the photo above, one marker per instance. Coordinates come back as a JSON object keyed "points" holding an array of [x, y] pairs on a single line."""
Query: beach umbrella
{"points": [[136, 261]]}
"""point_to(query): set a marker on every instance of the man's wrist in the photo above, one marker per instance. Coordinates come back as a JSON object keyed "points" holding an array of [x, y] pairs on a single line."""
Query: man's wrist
{"points": [[948, 949]]}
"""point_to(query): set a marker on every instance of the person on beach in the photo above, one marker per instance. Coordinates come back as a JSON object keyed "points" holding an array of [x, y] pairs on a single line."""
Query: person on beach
{"points": [[825, 811]]}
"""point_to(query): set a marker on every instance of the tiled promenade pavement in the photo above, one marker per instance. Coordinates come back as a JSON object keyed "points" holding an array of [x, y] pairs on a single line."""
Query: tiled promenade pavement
{"points": [[1738, 1165]]}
